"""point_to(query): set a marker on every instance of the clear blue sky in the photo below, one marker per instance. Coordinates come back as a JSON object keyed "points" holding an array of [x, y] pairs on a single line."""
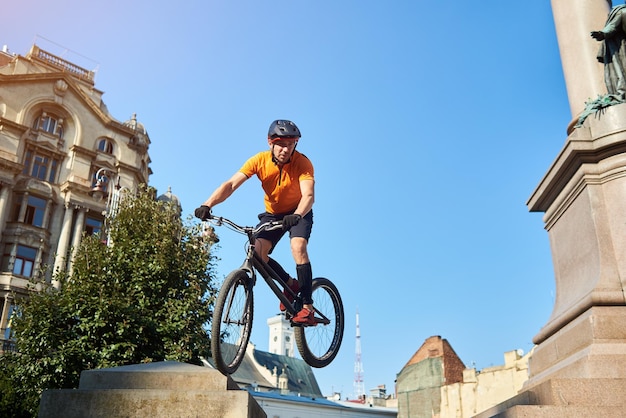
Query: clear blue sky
{"points": [[429, 124]]}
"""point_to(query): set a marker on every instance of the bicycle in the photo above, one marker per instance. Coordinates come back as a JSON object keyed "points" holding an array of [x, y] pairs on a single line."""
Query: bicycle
{"points": [[234, 309]]}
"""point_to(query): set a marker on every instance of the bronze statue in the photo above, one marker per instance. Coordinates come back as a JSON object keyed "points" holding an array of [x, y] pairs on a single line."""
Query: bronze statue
{"points": [[612, 52]]}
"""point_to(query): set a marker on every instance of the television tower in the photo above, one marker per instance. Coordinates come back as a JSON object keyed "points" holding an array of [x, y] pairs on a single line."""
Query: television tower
{"points": [[359, 389]]}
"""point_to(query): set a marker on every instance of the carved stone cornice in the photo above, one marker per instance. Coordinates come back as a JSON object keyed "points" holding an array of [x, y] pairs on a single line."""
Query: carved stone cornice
{"points": [[13, 126], [47, 143], [82, 151], [11, 166]]}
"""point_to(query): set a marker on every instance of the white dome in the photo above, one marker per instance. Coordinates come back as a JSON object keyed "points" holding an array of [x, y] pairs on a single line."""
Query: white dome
{"points": [[136, 125]]}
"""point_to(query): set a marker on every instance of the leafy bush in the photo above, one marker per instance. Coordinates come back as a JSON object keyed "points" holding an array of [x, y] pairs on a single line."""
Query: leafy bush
{"points": [[145, 297]]}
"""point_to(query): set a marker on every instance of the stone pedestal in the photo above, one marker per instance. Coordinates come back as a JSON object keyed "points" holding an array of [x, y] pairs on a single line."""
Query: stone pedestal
{"points": [[567, 398], [578, 368], [164, 389], [584, 200]]}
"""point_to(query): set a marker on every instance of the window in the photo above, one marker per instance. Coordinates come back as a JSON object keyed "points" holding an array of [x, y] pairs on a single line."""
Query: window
{"points": [[50, 124], [105, 145], [24, 261], [93, 226], [40, 166], [35, 210]]}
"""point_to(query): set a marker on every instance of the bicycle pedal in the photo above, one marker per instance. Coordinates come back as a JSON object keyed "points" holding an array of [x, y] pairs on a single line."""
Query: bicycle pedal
{"points": [[303, 324]]}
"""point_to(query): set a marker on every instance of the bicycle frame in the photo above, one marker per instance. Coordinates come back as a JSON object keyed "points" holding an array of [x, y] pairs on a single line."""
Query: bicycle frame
{"points": [[254, 263], [270, 277]]}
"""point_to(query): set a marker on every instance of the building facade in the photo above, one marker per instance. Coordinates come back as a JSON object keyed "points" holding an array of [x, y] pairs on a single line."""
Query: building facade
{"points": [[63, 158], [435, 383], [482, 390], [419, 383]]}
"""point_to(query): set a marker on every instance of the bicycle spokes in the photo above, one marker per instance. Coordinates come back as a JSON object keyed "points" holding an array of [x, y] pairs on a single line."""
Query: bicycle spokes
{"points": [[235, 314], [232, 321], [319, 344]]}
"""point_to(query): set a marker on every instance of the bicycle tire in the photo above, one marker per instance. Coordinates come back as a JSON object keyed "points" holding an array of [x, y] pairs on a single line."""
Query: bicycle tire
{"points": [[232, 322], [318, 345]]}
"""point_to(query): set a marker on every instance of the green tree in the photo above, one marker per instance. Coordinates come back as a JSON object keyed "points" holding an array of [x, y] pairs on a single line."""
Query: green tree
{"points": [[145, 297]]}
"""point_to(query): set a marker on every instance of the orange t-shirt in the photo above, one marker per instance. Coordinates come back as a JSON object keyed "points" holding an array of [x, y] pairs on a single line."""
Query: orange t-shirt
{"points": [[280, 183]]}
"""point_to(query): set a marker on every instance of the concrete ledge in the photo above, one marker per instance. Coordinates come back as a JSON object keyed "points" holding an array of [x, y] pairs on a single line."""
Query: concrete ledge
{"points": [[147, 403], [524, 398], [542, 411], [162, 389], [581, 392], [159, 375]]}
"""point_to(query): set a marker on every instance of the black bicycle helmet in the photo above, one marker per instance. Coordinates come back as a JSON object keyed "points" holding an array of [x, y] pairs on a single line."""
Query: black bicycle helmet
{"points": [[283, 129]]}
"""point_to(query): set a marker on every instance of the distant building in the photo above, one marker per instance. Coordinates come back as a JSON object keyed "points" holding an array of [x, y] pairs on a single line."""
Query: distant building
{"points": [[289, 406], [380, 397], [419, 382], [435, 383], [261, 371], [62, 155], [282, 339], [286, 387], [480, 391]]}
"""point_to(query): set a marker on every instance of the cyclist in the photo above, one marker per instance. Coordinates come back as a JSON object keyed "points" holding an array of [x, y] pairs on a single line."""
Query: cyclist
{"points": [[286, 176]]}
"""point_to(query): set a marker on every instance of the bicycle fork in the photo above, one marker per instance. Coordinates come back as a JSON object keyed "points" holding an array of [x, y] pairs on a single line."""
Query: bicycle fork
{"points": [[227, 317]]}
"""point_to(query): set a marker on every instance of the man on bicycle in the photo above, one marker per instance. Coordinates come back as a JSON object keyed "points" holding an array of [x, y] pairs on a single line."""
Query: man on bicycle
{"points": [[286, 176]]}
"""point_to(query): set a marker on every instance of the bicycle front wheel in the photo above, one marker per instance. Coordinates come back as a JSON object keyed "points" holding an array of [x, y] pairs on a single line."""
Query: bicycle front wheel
{"points": [[232, 322], [319, 344]]}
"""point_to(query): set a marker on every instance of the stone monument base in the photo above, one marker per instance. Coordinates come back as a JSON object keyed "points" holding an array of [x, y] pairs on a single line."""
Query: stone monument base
{"points": [[578, 367], [580, 371], [163, 389], [591, 346], [571, 398]]}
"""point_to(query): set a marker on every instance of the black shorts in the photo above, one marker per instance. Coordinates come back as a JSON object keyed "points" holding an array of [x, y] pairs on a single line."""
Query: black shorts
{"points": [[300, 230]]}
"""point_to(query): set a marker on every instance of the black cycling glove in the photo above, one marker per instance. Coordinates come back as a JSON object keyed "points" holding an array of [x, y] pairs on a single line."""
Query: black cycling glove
{"points": [[203, 212], [291, 220]]}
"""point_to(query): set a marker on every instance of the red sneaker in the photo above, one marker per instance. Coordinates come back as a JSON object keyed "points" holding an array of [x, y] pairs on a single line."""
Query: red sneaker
{"points": [[295, 286], [304, 317]]}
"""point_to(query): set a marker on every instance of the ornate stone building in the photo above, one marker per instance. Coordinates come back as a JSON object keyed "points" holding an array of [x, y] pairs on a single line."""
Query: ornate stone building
{"points": [[62, 159]]}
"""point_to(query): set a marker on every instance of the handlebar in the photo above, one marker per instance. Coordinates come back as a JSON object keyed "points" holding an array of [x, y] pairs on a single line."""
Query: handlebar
{"points": [[247, 230]]}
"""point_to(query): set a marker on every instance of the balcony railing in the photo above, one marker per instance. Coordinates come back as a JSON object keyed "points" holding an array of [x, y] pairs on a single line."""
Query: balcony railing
{"points": [[7, 346], [62, 64]]}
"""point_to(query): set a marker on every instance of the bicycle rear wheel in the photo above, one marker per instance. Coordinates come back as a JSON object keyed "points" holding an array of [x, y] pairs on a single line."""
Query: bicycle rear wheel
{"points": [[232, 322], [319, 344]]}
